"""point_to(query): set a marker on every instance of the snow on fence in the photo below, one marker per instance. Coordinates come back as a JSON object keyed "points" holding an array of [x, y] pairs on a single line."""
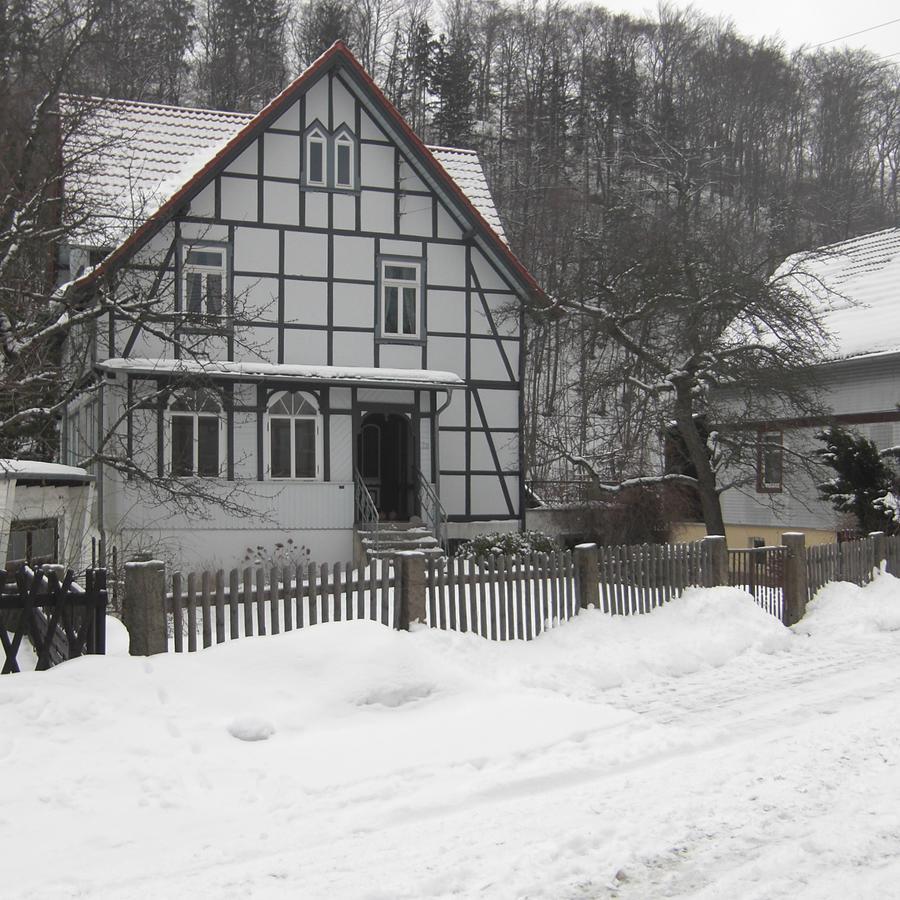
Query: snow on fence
{"points": [[854, 561]]}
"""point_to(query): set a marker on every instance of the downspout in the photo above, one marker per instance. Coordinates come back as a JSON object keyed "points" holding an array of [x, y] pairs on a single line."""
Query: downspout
{"points": [[101, 405], [436, 439]]}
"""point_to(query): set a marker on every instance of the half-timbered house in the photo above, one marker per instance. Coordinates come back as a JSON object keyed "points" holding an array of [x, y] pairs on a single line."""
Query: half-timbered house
{"points": [[335, 332]]}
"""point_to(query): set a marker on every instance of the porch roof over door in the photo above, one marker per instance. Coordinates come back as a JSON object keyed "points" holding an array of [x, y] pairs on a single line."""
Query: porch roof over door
{"points": [[344, 376]]}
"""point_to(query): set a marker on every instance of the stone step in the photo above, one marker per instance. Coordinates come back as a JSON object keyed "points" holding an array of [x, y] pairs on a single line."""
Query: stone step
{"points": [[384, 553]]}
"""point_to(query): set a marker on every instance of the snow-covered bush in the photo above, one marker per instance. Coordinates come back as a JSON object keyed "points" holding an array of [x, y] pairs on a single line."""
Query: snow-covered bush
{"points": [[506, 544]]}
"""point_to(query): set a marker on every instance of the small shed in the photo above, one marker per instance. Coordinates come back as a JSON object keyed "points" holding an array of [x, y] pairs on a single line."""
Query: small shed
{"points": [[45, 513]]}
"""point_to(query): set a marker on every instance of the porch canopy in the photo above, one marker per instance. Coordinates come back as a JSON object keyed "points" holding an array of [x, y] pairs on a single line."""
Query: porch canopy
{"points": [[344, 376], [27, 471]]}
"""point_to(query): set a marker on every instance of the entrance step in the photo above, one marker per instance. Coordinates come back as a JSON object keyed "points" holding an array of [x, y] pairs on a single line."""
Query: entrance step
{"points": [[395, 537]]}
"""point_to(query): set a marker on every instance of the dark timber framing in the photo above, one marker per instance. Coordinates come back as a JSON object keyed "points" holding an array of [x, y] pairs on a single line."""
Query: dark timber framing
{"points": [[457, 311]]}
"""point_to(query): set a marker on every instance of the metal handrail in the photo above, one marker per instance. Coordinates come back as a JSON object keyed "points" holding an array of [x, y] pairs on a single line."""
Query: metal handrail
{"points": [[436, 516], [366, 510]]}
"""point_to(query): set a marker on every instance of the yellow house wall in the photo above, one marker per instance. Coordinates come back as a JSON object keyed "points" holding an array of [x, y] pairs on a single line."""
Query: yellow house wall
{"points": [[742, 535]]}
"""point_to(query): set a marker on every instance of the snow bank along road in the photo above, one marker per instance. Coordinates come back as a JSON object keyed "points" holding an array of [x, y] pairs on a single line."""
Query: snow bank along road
{"points": [[701, 751]]}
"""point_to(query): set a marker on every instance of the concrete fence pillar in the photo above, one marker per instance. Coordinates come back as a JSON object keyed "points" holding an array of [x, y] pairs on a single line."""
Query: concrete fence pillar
{"points": [[879, 547], [796, 590], [587, 575], [717, 550], [144, 609], [409, 594]]}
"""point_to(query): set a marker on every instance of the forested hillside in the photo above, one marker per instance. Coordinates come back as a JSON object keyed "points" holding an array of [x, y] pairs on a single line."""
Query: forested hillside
{"points": [[586, 121]]}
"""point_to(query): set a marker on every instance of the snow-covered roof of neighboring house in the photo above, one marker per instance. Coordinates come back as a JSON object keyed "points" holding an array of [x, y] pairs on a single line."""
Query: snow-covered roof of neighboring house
{"points": [[25, 470], [858, 281], [357, 376], [130, 157]]}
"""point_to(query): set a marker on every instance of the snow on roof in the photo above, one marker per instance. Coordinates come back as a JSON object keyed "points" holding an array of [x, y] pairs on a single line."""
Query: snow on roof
{"points": [[35, 470], [861, 277], [464, 167], [354, 375], [129, 157]]}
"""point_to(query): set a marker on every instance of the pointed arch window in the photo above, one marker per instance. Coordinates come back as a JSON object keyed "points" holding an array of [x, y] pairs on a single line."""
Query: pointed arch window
{"points": [[195, 426], [316, 157], [331, 158], [344, 159], [294, 433]]}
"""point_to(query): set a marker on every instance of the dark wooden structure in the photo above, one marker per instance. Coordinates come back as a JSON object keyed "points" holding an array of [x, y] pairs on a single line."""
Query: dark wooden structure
{"points": [[59, 618]]}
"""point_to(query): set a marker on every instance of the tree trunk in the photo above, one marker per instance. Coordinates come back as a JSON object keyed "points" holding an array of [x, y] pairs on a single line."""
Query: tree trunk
{"points": [[699, 456]]}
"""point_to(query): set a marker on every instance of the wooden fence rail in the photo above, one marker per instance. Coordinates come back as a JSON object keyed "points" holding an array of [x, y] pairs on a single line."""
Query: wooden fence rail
{"points": [[501, 598], [209, 607], [854, 561], [760, 572], [637, 579]]}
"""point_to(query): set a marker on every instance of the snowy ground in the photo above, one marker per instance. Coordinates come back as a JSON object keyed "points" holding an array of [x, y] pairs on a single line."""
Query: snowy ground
{"points": [[701, 751]]}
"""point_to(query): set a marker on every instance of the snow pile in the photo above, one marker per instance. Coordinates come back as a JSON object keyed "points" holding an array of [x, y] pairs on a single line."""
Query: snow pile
{"points": [[704, 628], [841, 609], [348, 760]]}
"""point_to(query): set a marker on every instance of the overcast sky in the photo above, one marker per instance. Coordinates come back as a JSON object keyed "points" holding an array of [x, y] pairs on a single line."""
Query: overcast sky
{"points": [[801, 21]]}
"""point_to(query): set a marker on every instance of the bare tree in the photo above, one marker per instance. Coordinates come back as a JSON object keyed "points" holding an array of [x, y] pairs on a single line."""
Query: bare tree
{"points": [[709, 335]]}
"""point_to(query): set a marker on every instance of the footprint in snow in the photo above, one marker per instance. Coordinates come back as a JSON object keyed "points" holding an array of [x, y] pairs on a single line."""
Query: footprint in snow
{"points": [[251, 728]]}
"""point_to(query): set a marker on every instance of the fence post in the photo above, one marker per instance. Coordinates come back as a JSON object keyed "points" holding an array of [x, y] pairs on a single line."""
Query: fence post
{"points": [[879, 547], [717, 556], [587, 576], [796, 584], [144, 609], [409, 595]]}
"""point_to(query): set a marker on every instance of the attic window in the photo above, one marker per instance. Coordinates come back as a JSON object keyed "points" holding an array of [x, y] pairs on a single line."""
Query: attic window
{"points": [[331, 157], [343, 161], [315, 159]]}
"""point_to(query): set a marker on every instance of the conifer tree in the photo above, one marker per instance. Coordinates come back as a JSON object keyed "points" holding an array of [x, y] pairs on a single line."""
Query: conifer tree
{"points": [[865, 484]]}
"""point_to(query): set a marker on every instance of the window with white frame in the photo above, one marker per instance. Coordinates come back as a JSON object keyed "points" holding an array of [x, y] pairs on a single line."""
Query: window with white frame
{"points": [[316, 170], [81, 433], [330, 158], [293, 430], [203, 276], [344, 147], [400, 298], [770, 461], [195, 434]]}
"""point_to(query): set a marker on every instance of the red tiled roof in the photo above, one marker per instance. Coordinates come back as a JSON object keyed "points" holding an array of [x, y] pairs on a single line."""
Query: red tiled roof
{"points": [[161, 155]]}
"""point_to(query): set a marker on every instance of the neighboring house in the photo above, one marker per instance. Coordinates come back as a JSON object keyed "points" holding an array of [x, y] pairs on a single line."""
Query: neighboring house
{"points": [[860, 385], [45, 511], [342, 317]]}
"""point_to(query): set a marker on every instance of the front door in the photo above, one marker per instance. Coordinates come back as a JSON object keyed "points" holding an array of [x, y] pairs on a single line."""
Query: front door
{"points": [[384, 451]]}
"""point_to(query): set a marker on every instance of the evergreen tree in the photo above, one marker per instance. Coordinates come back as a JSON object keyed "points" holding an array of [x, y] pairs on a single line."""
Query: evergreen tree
{"points": [[865, 484], [242, 56], [454, 82], [319, 23]]}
